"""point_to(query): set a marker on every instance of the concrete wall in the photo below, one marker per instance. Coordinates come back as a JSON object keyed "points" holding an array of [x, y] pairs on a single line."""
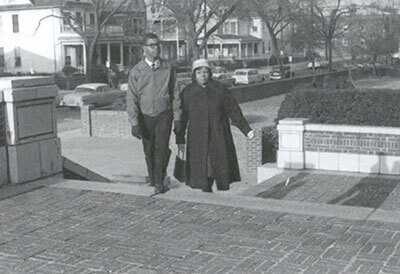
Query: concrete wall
{"points": [[33, 149], [338, 147]]}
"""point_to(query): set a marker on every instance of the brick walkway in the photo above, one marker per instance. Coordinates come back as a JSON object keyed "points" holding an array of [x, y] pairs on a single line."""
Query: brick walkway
{"points": [[55, 230]]}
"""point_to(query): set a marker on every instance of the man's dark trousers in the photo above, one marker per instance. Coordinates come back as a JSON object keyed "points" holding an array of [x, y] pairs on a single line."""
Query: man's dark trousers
{"points": [[156, 132]]}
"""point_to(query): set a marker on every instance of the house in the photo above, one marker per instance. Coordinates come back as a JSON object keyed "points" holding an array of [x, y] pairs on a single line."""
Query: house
{"points": [[162, 22], [239, 37], [34, 37]]}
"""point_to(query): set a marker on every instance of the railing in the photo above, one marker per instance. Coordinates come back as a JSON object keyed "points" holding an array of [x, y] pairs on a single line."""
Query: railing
{"points": [[234, 57], [107, 29]]}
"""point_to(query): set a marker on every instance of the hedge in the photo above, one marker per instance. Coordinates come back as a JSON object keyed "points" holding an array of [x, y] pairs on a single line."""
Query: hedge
{"points": [[348, 106]]}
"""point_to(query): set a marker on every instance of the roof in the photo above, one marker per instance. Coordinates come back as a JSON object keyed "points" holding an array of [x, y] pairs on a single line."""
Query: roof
{"points": [[241, 38]]}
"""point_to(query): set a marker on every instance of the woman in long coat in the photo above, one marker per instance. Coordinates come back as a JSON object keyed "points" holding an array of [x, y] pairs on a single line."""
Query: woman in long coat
{"points": [[207, 106]]}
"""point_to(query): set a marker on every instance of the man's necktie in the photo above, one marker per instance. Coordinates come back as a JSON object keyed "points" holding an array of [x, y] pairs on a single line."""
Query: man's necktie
{"points": [[153, 66]]}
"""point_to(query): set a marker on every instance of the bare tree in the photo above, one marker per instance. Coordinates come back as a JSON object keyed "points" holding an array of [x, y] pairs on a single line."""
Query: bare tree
{"points": [[326, 24], [277, 16], [377, 38], [195, 20], [305, 37], [103, 11]]}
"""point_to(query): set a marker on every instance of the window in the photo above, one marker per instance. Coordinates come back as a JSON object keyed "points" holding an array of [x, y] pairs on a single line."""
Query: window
{"points": [[255, 48], [345, 42], [17, 57], [233, 28], [254, 28], [2, 59], [78, 17], [91, 19], [15, 23], [67, 60], [226, 28], [362, 28]]}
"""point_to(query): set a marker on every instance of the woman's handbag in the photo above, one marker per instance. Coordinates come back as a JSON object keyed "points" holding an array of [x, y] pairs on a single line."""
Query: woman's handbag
{"points": [[179, 168]]}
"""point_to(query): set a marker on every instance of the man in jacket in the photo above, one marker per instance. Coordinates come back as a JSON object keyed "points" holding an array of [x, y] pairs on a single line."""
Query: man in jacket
{"points": [[153, 102]]}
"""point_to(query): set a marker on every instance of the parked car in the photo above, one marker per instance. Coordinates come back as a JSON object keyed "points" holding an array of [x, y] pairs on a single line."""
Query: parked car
{"points": [[97, 94], [247, 76], [226, 79], [217, 71], [276, 73], [317, 65]]}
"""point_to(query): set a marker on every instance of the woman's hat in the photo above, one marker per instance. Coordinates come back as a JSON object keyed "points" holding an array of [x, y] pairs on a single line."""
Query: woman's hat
{"points": [[200, 63]]}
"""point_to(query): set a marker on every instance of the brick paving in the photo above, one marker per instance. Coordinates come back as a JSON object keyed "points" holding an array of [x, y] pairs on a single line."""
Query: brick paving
{"points": [[55, 230], [364, 191]]}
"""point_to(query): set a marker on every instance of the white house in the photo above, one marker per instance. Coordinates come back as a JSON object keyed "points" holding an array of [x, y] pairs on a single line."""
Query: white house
{"points": [[34, 37]]}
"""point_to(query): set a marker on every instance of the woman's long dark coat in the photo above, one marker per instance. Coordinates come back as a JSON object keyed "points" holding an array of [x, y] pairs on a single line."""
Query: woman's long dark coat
{"points": [[206, 112]]}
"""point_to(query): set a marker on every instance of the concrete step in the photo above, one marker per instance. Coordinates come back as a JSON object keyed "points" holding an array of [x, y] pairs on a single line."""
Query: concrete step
{"points": [[267, 171], [181, 192]]}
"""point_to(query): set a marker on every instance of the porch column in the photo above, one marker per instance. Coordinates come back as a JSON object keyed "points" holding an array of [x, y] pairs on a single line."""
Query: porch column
{"points": [[108, 54], [121, 50], [221, 53], [177, 43], [99, 57], [84, 58], [240, 50]]}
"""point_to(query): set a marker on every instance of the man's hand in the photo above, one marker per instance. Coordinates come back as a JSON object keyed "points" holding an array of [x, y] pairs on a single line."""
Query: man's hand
{"points": [[181, 150], [177, 126], [135, 131]]}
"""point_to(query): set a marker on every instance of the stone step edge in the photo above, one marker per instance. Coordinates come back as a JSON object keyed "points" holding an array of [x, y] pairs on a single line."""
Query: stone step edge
{"points": [[82, 171], [187, 194]]}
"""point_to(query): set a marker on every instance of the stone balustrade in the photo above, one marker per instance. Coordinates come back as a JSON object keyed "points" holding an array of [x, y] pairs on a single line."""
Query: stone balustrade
{"points": [[33, 149]]}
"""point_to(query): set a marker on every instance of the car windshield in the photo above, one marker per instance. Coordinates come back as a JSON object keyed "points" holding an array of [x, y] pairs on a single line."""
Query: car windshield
{"points": [[84, 90], [240, 73]]}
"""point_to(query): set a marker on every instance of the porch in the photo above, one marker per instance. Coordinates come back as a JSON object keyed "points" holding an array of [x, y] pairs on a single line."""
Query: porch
{"points": [[234, 47]]}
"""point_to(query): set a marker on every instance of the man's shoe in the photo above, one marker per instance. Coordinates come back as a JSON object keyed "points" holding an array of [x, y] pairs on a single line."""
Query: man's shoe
{"points": [[149, 181], [160, 190]]}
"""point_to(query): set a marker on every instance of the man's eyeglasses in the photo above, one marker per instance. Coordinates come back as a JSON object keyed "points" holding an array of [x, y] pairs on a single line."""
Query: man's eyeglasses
{"points": [[155, 45]]}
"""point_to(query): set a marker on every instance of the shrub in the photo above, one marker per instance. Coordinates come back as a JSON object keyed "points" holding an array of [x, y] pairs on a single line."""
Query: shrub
{"points": [[99, 74], [269, 144], [348, 106], [69, 70]]}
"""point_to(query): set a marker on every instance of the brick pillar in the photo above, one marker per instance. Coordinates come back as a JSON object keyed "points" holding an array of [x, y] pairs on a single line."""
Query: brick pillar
{"points": [[86, 120], [291, 149], [254, 151]]}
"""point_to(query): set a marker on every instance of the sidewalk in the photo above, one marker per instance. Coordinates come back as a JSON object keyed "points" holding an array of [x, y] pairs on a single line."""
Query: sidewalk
{"points": [[66, 226], [295, 222]]}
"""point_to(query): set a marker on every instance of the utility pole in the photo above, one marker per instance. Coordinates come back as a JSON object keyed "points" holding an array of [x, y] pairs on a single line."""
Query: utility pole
{"points": [[205, 28], [312, 36]]}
